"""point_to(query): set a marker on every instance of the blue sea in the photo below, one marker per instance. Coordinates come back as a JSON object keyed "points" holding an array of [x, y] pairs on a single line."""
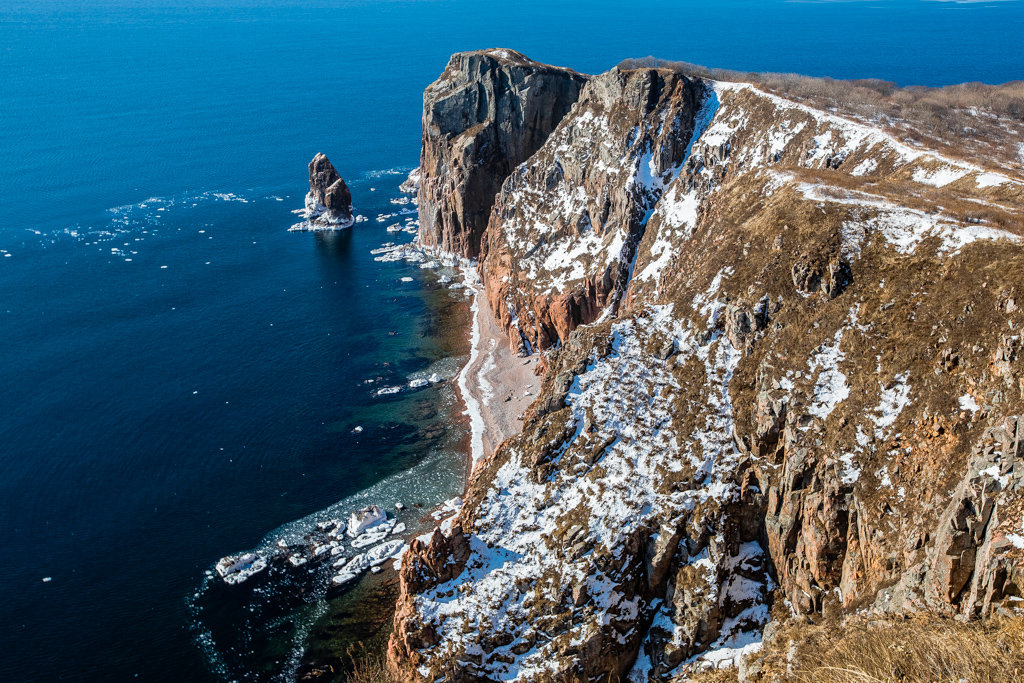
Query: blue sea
{"points": [[181, 377]]}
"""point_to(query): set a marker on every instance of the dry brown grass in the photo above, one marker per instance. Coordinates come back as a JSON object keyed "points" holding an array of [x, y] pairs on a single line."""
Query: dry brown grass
{"points": [[371, 668], [974, 112], [919, 649], [726, 675]]}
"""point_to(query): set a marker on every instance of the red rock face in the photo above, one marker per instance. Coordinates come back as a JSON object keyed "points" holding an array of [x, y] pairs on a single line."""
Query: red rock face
{"points": [[487, 113], [564, 230]]}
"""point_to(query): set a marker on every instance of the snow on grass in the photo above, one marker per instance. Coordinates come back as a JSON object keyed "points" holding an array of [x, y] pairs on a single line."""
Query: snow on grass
{"points": [[865, 167], [990, 180], [930, 167], [904, 228], [967, 402], [891, 403], [830, 388], [940, 176]]}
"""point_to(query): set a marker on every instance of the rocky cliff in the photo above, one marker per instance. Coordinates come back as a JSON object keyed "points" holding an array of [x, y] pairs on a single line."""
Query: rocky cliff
{"points": [[487, 113], [783, 375]]}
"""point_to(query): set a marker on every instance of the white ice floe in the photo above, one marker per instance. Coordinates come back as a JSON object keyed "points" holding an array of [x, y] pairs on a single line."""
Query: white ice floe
{"points": [[365, 518], [384, 552], [387, 391], [235, 569]]}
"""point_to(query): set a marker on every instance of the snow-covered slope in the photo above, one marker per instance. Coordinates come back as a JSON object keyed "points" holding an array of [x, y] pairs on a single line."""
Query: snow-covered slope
{"points": [[783, 372]]}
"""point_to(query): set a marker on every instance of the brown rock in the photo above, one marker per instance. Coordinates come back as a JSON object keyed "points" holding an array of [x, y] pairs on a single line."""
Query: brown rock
{"points": [[487, 113]]}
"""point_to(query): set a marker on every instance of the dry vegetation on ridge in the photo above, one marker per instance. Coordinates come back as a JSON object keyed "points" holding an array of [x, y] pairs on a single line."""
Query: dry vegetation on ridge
{"points": [[917, 649], [968, 119]]}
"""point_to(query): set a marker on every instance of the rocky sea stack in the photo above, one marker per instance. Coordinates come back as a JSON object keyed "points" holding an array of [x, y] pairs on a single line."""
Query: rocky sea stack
{"points": [[783, 370], [329, 202]]}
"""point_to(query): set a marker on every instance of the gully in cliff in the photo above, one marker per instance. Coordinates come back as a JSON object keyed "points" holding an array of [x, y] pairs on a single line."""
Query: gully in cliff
{"points": [[329, 202]]}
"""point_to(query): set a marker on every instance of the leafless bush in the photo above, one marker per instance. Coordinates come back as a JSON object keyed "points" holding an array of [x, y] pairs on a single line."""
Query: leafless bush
{"points": [[919, 649]]}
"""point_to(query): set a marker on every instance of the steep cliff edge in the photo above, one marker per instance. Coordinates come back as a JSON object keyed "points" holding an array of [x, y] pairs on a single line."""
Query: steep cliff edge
{"points": [[487, 113], [801, 388], [564, 229]]}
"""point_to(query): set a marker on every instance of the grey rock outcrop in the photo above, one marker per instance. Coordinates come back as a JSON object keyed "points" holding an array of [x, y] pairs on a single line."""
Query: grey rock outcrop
{"points": [[488, 112], [329, 201]]}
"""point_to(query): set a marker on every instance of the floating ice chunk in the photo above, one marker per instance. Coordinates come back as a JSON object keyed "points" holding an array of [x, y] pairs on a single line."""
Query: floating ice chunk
{"points": [[406, 279], [297, 560], [384, 552], [365, 518], [375, 535], [345, 576], [388, 390], [235, 569], [329, 525], [417, 383], [47, 579], [435, 378]]}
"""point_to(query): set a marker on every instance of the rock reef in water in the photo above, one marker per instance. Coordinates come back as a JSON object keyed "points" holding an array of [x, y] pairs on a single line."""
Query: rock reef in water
{"points": [[329, 202], [780, 369]]}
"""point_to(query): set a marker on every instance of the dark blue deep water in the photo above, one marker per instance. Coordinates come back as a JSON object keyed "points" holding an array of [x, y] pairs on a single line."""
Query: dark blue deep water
{"points": [[180, 375]]}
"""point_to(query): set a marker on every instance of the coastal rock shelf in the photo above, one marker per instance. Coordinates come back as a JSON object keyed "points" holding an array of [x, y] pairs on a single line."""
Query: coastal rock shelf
{"points": [[782, 372]]}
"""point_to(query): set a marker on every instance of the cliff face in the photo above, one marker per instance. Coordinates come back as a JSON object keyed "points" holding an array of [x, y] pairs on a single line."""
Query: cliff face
{"points": [[564, 229], [801, 388], [487, 113]]}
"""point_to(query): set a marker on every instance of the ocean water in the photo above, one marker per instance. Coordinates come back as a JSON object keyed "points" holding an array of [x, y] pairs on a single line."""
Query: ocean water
{"points": [[181, 376]]}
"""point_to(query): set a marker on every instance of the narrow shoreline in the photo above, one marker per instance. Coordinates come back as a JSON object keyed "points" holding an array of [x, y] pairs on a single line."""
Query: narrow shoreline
{"points": [[496, 385]]}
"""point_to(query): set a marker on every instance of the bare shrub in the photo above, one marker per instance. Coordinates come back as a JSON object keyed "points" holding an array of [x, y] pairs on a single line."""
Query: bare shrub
{"points": [[917, 649], [371, 668]]}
